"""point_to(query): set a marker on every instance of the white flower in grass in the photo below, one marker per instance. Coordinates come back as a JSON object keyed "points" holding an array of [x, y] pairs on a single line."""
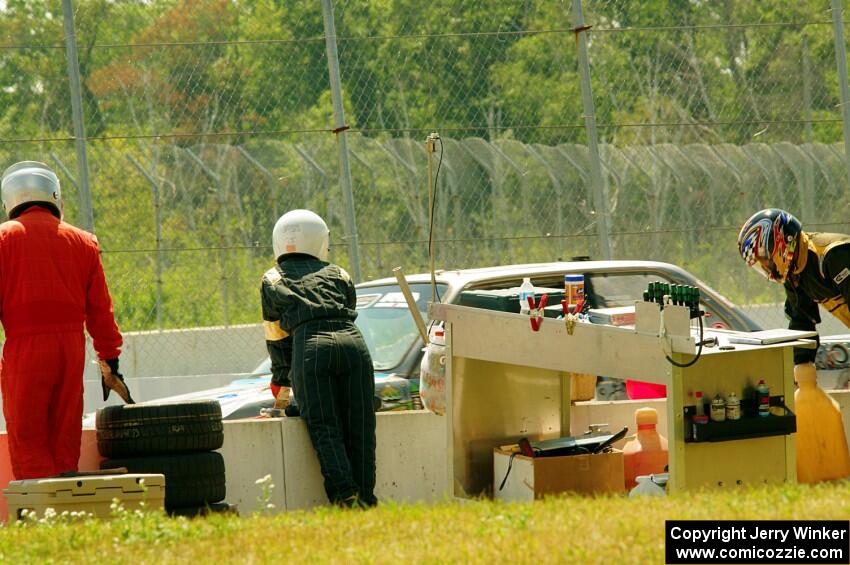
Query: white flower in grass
{"points": [[49, 516]]}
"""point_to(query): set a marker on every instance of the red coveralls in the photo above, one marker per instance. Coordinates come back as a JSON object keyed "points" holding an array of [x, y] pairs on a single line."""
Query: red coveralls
{"points": [[51, 282]]}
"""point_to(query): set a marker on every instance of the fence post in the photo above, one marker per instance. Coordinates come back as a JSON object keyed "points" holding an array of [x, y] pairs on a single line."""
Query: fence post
{"points": [[599, 200], [339, 128], [841, 61], [86, 213]]}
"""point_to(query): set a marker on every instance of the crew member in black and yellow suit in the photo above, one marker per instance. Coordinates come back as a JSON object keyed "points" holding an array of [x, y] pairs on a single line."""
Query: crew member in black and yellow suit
{"points": [[813, 267], [309, 311]]}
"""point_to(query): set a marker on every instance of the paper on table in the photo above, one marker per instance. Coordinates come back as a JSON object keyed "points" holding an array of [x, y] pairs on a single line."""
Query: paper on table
{"points": [[767, 337]]}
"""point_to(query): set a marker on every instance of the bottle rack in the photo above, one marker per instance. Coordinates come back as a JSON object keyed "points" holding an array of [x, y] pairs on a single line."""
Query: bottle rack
{"points": [[751, 425]]}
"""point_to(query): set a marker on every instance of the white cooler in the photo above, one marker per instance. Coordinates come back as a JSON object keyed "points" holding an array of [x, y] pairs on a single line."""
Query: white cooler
{"points": [[92, 494]]}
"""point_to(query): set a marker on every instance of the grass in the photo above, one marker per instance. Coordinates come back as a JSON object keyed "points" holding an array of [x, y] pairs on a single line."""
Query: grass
{"points": [[558, 530]]}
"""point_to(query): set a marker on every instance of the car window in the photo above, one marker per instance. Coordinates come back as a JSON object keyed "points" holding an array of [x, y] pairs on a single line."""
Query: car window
{"points": [[386, 323], [612, 290]]}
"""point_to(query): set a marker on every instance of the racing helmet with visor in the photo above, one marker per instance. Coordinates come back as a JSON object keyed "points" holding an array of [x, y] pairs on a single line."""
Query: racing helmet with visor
{"points": [[769, 241]]}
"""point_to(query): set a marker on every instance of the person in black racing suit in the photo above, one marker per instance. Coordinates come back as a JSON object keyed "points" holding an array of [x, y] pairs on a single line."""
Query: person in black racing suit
{"points": [[308, 311], [813, 267]]}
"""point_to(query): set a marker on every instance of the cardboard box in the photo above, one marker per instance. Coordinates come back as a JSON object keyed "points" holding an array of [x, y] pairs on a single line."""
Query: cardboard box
{"points": [[532, 478], [93, 494]]}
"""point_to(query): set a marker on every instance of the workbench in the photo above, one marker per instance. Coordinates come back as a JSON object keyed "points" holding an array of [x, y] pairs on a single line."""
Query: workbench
{"points": [[505, 381]]}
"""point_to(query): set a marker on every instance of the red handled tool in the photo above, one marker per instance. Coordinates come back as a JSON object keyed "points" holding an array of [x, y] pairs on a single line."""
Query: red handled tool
{"points": [[525, 447], [566, 307], [571, 318], [537, 311], [580, 306]]}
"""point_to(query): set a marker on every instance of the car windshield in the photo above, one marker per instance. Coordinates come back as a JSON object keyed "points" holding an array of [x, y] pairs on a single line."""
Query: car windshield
{"points": [[385, 322]]}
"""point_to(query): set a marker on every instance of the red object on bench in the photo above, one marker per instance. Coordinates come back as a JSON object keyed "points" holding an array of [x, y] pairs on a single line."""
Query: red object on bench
{"points": [[639, 390]]}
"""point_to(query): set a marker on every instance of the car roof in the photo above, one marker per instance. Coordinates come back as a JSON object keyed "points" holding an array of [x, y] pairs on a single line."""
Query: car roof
{"points": [[458, 280], [463, 277]]}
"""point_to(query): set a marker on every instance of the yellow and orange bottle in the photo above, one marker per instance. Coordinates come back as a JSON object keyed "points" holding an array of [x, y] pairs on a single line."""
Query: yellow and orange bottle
{"points": [[822, 453], [647, 452]]}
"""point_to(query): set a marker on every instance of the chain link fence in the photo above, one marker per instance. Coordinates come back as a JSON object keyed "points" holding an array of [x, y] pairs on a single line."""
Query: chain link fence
{"points": [[205, 120]]}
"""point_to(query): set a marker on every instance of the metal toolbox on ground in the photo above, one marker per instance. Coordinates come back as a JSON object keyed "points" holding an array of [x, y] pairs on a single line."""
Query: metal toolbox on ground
{"points": [[92, 494]]}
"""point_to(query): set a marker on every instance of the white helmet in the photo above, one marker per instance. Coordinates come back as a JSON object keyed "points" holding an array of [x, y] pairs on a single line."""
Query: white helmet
{"points": [[30, 181], [301, 231]]}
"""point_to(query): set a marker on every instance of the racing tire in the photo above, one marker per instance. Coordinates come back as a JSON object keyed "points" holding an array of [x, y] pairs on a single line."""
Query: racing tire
{"points": [[137, 430], [191, 479]]}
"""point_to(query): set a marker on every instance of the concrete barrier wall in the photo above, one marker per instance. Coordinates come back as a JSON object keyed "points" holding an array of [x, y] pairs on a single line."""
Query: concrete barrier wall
{"points": [[253, 449], [411, 461]]}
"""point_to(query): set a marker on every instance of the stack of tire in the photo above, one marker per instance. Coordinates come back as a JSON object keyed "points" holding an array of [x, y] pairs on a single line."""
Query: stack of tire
{"points": [[177, 440]]}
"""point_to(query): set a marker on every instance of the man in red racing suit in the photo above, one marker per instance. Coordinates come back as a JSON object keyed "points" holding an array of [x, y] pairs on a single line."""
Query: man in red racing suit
{"points": [[51, 283]]}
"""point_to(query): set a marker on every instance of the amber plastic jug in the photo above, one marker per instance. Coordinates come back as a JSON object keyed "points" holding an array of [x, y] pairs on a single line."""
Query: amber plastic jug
{"points": [[647, 452], [822, 453]]}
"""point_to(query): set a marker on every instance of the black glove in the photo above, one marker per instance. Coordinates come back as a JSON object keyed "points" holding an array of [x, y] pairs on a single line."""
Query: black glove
{"points": [[111, 379]]}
